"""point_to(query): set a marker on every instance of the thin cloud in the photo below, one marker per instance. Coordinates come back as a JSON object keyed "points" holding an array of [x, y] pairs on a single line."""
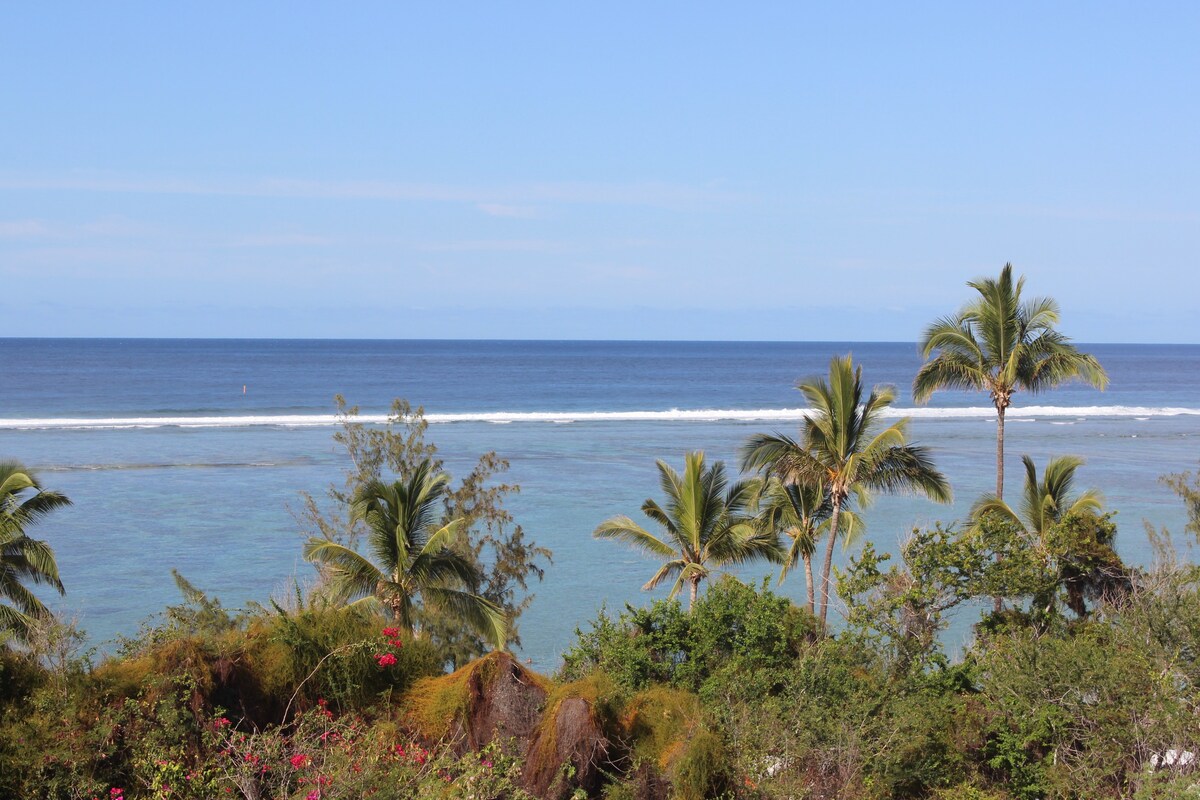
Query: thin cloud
{"points": [[280, 240], [106, 227], [501, 210], [515, 196], [24, 229], [494, 246]]}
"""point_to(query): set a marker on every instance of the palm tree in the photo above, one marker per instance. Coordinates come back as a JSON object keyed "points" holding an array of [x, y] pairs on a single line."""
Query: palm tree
{"points": [[706, 526], [412, 557], [23, 559], [845, 447], [1000, 344], [800, 511], [1044, 502]]}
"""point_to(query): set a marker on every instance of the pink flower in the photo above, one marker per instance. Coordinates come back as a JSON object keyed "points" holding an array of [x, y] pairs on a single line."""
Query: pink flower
{"points": [[386, 659], [396, 642], [300, 761], [116, 793], [315, 794], [391, 632], [221, 723]]}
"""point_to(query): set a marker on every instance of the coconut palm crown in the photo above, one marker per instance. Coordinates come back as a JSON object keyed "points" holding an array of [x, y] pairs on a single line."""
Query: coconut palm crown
{"points": [[413, 556], [23, 502], [1046, 502], [705, 524], [1043, 502], [845, 446], [1001, 344]]}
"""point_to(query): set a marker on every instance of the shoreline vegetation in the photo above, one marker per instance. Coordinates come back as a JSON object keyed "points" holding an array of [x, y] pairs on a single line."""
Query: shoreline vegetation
{"points": [[390, 677]]}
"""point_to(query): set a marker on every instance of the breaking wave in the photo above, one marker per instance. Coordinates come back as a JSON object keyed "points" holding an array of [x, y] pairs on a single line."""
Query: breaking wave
{"points": [[566, 417]]}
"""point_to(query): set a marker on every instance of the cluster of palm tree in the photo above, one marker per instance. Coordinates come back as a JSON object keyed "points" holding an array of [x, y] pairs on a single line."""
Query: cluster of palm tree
{"points": [[23, 559], [803, 486], [808, 487]]}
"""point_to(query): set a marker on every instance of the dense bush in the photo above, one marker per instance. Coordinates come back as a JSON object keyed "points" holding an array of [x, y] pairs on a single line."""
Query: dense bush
{"points": [[75, 731], [733, 632]]}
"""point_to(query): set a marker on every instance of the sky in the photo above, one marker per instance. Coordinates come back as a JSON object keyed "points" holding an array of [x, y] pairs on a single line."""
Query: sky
{"points": [[779, 171]]}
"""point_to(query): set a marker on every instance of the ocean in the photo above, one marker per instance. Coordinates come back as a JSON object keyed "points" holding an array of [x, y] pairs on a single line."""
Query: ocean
{"points": [[191, 454]]}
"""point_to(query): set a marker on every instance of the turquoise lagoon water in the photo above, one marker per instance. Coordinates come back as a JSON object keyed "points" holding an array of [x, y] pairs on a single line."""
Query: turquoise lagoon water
{"points": [[171, 465]]}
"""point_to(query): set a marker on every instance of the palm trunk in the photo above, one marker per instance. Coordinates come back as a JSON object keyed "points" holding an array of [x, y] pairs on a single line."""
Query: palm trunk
{"points": [[833, 532], [808, 583], [998, 602], [1000, 450], [695, 586]]}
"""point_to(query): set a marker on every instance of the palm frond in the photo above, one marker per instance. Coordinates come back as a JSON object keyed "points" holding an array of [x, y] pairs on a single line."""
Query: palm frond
{"points": [[484, 616], [25, 600], [443, 568], [625, 529], [15, 622], [990, 504], [668, 569], [907, 470], [350, 575], [30, 559]]}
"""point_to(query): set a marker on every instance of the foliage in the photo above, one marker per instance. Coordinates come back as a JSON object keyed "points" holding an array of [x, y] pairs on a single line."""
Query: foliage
{"points": [[1045, 501], [1187, 486], [1086, 566], [411, 557], [800, 511], [1000, 344], [706, 526], [941, 568], [1077, 716], [741, 698], [846, 449], [734, 633], [23, 559], [506, 557]]}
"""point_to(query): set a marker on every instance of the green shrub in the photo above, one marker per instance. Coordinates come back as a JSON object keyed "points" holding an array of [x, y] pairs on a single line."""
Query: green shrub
{"points": [[733, 633]]}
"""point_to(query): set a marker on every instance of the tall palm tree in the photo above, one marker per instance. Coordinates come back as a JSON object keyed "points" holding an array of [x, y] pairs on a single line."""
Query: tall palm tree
{"points": [[800, 511], [413, 557], [24, 559], [1001, 344], [845, 446], [706, 525], [1043, 502]]}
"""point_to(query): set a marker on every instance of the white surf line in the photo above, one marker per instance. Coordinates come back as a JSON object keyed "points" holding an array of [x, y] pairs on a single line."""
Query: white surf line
{"points": [[563, 417]]}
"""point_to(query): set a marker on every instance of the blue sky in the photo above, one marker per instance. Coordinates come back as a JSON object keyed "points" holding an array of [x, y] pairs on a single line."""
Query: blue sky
{"points": [[682, 171]]}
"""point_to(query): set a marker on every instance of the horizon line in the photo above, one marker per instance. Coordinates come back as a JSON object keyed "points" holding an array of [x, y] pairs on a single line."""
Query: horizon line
{"points": [[518, 340]]}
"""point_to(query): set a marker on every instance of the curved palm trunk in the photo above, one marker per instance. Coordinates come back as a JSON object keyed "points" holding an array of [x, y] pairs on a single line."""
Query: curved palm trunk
{"points": [[808, 583], [828, 568], [693, 589]]}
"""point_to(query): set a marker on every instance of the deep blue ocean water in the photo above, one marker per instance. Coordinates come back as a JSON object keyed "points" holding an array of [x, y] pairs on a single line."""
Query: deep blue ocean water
{"points": [[191, 453]]}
